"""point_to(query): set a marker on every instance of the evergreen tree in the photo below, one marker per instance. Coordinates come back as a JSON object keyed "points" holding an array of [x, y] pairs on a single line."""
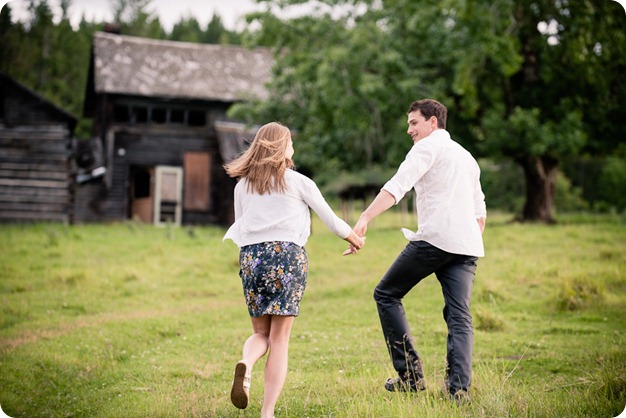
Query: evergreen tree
{"points": [[215, 31], [135, 20], [10, 35], [187, 30]]}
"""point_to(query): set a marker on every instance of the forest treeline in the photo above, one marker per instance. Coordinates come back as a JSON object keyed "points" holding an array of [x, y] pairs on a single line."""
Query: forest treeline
{"points": [[534, 88], [51, 57]]}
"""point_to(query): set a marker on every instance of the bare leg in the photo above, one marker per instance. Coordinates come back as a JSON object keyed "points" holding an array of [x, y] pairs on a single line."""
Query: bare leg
{"points": [[277, 361], [254, 348], [257, 344]]}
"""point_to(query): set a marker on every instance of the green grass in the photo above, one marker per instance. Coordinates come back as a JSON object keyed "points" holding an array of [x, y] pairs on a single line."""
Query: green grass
{"points": [[128, 320]]}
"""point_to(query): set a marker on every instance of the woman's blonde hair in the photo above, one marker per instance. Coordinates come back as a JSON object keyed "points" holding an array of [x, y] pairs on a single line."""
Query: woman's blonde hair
{"points": [[264, 163]]}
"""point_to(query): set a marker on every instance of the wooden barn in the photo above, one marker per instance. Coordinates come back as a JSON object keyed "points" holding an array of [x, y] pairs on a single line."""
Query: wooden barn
{"points": [[161, 134], [35, 156]]}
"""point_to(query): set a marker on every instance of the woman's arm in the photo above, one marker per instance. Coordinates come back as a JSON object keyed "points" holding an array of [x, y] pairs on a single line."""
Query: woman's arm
{"points": [[312, 196]]}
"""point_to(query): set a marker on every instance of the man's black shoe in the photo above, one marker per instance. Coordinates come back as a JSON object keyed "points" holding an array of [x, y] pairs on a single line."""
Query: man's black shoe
{"points": [[461, 397], [401, 385]]}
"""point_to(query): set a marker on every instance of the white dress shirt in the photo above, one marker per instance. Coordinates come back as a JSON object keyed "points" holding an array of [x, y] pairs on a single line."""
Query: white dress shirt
{"points": [[281, 216], [449, 199]]}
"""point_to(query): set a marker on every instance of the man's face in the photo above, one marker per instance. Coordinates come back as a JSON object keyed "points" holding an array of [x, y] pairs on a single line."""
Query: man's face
{"points": [[420, 127]]}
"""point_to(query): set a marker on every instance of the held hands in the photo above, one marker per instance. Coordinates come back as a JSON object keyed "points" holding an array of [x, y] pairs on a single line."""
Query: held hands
{"points": [[356, 243], [356, 237]]}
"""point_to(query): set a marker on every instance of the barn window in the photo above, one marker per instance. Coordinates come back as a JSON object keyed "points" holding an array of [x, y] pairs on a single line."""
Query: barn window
{"points": [[197, 118], [140, 114], [121, 113], [177, 116], [159, 115]]}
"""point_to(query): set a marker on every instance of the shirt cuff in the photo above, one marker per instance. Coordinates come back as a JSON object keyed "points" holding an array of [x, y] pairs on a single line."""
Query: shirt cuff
{"points": [[394, 191]]}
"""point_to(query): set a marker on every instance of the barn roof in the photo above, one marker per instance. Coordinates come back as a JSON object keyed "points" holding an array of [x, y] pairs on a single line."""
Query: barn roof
{"points": [[34, 110], [147, 67]]}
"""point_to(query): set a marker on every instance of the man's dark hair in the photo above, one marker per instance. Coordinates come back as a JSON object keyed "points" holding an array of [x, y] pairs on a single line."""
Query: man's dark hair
{"points": [[429, 108]]}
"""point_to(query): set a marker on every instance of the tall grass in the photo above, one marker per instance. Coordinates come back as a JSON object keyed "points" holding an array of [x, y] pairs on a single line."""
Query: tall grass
{"points": [[128, 320]]}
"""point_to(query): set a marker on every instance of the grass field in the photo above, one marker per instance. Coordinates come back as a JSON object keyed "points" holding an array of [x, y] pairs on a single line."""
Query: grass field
{"points": [[128, 320]]}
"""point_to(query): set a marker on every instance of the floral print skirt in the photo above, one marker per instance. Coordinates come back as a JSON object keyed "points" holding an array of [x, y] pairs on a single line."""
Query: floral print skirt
{"points": [[274, 276]]}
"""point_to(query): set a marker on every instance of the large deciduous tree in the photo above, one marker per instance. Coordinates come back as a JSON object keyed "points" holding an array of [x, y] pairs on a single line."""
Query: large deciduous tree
{"points": [[532, 80], [565, 97]]}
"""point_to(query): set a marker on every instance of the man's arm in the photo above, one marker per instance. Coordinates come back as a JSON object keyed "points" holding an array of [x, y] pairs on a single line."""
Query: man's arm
{"points": [[383, 201], [481, 224]]}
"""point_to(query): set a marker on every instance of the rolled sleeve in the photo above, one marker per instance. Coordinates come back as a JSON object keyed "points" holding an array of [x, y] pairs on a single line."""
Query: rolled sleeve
{"points": [[394, 189]]}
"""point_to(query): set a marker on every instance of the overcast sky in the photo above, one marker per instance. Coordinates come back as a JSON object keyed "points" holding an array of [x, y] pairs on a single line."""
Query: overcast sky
{"points": [[169, 11]]}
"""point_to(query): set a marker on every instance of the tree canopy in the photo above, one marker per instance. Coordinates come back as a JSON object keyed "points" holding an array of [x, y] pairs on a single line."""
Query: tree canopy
{"points": [[535, 81]]}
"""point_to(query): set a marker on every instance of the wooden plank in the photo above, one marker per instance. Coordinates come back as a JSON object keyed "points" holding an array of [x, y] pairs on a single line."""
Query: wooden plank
{"points": [[17, 216], [39, 131], [59, 206], [38, 153], [56, 192], [29, 166], [58, 174], [36, 149], [33, 183], [33, 198], [13, 138], [33, 158], [31, 151], [8, 139]]}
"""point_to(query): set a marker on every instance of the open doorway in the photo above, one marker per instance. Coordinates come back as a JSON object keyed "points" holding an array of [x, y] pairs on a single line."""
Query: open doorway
{"points": [[156, 194], [141, 193]]}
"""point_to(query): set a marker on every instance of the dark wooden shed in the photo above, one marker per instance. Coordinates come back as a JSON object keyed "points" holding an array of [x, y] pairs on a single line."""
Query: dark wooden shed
{"points": [[35, 151], [161, 134]]}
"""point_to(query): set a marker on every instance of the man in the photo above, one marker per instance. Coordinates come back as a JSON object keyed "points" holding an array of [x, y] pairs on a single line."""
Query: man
{"points": [[451, 218]]}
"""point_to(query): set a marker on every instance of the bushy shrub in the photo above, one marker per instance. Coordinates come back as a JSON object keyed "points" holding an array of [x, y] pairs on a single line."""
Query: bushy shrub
{"points": [[612, 183], [580, 293], [602, 180], [568, 198], [503, 185]]}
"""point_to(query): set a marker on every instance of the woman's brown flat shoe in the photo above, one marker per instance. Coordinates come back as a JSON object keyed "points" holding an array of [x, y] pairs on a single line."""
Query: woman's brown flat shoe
{"points": [[240, 392]]}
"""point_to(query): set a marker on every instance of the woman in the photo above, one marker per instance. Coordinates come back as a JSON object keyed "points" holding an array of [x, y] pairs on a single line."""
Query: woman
{"points": [[272, 225]]}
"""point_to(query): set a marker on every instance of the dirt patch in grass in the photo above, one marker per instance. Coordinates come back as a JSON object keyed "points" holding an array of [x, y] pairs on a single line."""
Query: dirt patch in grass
{"points": [[32, 336]]}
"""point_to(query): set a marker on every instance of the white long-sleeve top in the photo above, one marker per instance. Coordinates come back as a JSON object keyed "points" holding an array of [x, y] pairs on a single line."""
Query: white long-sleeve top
{"points": [[281, 216], [449, 199]]}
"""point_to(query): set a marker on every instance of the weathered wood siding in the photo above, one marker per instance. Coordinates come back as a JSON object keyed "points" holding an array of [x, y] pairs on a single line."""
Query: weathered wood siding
{"points": [[155, 148], [35, 183], [108, 198]]}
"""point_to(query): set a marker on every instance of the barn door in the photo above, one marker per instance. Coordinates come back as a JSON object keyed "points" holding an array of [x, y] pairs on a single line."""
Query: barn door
{"points": [[197, 181], [168, 195]]}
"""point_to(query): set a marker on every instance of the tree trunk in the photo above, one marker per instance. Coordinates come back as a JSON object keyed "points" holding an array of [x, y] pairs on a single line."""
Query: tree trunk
{"points": [[540, 173]]}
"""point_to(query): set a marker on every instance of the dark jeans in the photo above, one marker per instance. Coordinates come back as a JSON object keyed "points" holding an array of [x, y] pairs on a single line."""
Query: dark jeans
{"points": [[456, 276]]}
